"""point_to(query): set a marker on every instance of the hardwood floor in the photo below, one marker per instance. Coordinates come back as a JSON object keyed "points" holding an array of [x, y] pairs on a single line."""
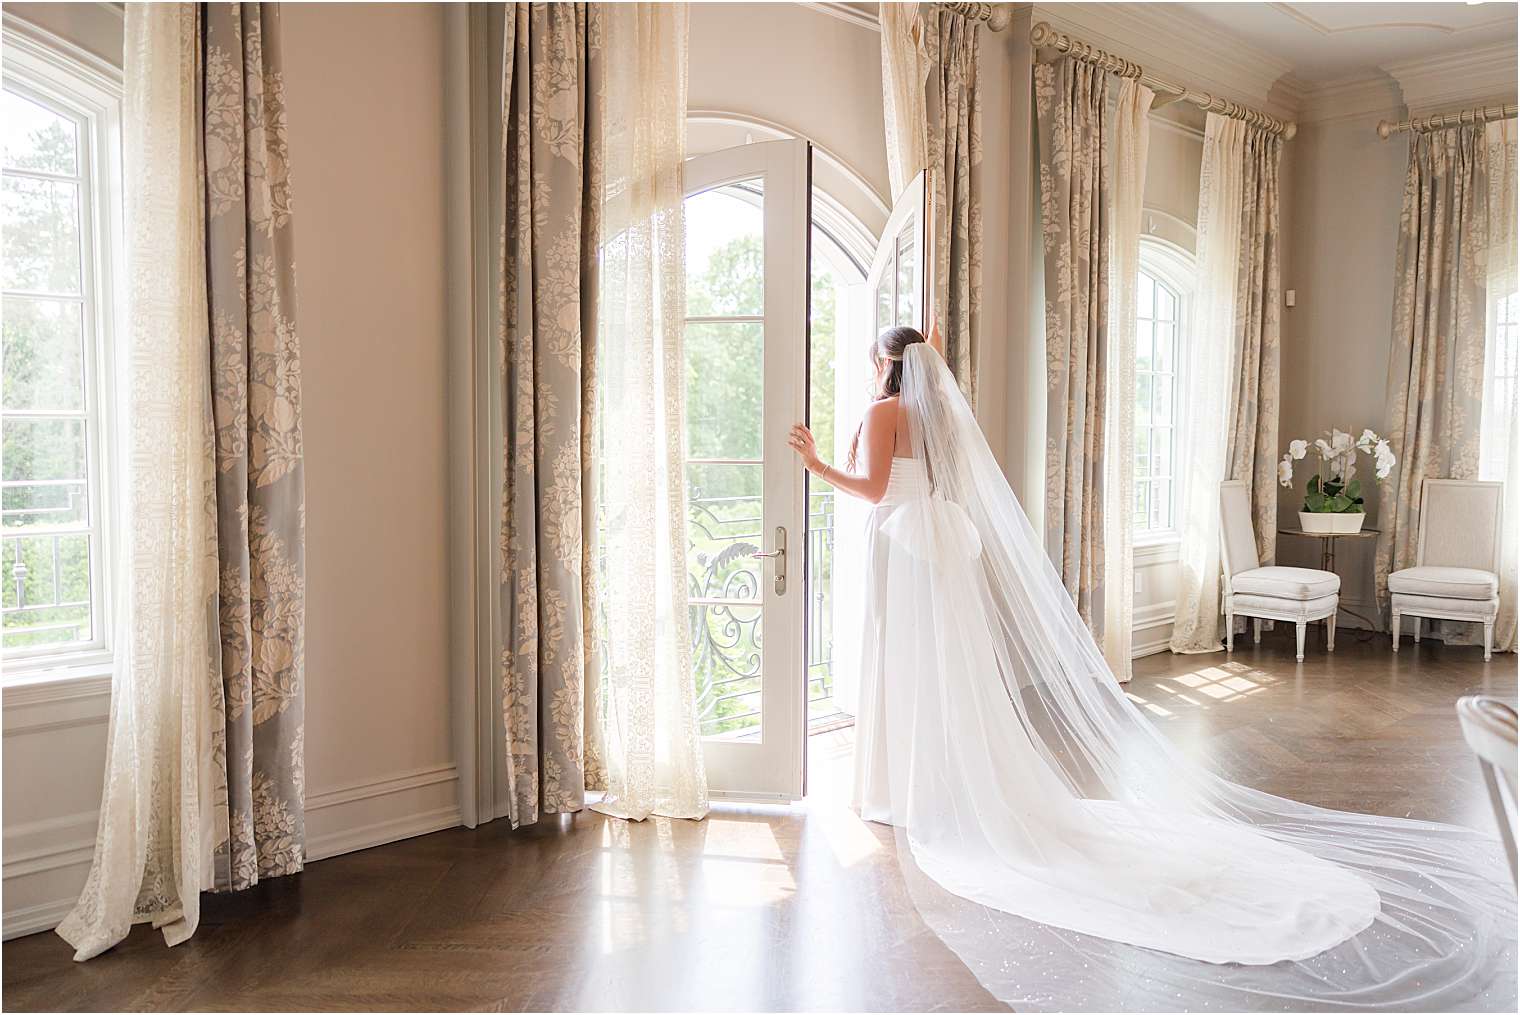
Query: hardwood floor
{"points": [[757, 907]]}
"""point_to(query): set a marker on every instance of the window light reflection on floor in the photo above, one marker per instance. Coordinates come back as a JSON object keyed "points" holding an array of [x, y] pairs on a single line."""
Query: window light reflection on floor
{"points": [[1201, 688]]}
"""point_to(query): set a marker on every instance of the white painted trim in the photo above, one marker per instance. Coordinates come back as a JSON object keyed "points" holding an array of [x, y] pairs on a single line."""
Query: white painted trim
{"points": [[380, 833], [368, 790], [848, 14], [1466, 77], [35, 919], [55, 705], [42, 847]]}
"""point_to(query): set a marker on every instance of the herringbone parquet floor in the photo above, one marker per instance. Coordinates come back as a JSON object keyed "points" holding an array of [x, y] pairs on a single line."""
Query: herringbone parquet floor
{"points": [[754, 908]]}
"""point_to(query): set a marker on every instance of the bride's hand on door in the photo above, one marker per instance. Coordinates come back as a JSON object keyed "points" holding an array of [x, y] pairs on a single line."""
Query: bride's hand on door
{"points": [[801, 440]]}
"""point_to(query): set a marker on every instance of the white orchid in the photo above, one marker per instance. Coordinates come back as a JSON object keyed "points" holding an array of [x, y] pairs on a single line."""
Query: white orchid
{"points": [[1383, 458], [1337, 453]]}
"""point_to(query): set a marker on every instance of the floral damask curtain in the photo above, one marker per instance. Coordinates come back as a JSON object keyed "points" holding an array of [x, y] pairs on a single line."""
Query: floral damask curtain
{"points": [[954, 151], [550, 188], [256, 404], [1435, 368], [1071, 107], [933, 111], [1256, 343]]}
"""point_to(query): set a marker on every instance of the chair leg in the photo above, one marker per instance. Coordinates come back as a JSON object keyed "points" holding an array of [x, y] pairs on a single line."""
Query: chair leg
{"points": [[1418, 624], [1301, 628], [1396, 618], [1256, 630], [1229, 632], [1330, 634], [1488, 640]]}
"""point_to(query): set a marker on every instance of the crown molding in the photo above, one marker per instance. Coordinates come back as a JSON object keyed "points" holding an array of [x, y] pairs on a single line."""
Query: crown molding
{"points": [[1179, 47], [1304, 18], [848, 13], [1469, 76], [1374, 93]]}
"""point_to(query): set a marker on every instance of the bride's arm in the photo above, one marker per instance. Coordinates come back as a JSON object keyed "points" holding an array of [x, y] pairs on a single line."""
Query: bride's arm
{"points": [[877, 433]]}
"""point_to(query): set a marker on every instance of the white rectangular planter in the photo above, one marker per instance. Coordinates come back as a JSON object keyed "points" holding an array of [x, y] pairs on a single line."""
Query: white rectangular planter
{"points": [[1322, 523]]}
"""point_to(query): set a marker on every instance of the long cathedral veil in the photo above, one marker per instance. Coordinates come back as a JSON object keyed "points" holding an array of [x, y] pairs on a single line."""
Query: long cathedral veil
{"points": [[1416, 915]]}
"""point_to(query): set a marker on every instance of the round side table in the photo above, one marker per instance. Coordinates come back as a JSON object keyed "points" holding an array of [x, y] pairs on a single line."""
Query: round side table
{"points": [[1327, 556]]}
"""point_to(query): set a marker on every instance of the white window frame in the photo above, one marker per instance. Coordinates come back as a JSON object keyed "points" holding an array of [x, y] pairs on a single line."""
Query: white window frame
{"points": [[1173, 265], [1493, 433], [65, 77]]}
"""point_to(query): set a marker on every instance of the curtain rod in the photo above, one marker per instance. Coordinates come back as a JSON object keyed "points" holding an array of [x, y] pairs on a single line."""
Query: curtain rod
{"points": [[1482, 114], [997, 16], [1042, 35]]}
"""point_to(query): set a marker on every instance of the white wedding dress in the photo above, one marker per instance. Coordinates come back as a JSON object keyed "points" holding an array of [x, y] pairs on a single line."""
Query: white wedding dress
{"points": [[1074, 858]]}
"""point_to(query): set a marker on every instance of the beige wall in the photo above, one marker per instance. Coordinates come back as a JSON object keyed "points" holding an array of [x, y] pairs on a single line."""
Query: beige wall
{"points": [[369, 197], [369, 182], [1336, 340]]}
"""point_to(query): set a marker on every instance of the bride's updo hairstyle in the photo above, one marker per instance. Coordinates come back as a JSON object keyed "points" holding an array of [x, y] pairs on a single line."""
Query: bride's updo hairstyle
{"points": [[889, 346]]}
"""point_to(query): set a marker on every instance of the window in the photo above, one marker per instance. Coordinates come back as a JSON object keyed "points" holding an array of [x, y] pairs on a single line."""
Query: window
{"points": [[1161, 294], [58, 175], [1501, 379]]}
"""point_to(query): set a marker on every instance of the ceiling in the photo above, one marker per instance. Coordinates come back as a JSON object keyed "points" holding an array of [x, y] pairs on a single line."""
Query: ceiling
{"points": [[1333, 41]]}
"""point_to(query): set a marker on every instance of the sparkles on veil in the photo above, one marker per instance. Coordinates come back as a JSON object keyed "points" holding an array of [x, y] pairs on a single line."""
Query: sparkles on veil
{"points": [[1059, 844]]}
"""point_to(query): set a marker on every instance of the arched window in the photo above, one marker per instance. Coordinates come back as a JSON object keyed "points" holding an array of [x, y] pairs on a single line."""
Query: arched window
{"points": [[1162, 301]]}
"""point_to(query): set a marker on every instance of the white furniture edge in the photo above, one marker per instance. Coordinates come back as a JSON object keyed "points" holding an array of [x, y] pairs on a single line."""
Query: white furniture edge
{"points": [[1299, 618], [1435, 612]]}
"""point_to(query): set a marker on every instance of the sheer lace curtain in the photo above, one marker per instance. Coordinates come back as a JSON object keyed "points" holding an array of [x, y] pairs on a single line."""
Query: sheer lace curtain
{"points": [[904, 72], [163, 809], [1220, 200], [1131, 144], [1501, 402], [651, 747]]}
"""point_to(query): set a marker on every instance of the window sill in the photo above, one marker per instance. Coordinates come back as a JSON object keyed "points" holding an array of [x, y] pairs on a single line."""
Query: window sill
{"points": [[41, 685]]}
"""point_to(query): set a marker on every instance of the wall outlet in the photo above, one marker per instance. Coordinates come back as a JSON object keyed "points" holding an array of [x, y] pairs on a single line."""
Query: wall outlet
{"points": [[1290, 298]]}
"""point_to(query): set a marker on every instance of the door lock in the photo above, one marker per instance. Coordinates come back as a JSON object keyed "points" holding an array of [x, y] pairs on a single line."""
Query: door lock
{"points": [[779, 553]]}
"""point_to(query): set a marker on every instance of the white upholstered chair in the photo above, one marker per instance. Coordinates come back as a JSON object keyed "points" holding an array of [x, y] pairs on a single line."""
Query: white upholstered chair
{"points": [[1489, 727], [1456, 572], [1297, 594]]}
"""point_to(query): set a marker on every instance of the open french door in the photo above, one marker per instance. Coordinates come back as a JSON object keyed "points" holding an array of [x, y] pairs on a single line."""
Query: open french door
{"points": [[900, 278], [747, 222]]}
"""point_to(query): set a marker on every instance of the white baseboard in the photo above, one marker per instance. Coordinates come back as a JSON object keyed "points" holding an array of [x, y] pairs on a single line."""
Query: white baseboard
{"points": [[46, 862], [26, 920], [1151, 631]]}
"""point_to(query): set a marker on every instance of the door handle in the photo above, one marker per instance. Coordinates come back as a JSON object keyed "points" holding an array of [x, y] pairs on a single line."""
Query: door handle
{"points": [[779, 553]]}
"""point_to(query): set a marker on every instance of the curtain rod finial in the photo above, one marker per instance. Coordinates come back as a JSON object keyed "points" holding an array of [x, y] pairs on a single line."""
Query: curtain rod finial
{"points": [[1384, 128], [1000, 18], [1290, 131]]}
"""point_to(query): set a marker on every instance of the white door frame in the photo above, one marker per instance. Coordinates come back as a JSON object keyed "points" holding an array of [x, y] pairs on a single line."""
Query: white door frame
{"points": [[772, 769]]}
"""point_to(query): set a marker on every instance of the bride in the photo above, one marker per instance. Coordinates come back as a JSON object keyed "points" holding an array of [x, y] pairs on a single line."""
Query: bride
{"points": [[1081, 860]]}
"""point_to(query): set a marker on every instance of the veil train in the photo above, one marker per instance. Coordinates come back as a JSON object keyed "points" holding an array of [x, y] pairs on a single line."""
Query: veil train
{"points": [[1068, 853]]}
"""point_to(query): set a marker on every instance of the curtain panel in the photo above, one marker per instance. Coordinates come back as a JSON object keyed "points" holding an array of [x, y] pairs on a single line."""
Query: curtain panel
{"points": [[1256, 341], [954, 153], [649, 725], [905, 72], [163, 809], [1501, 403], [1131, 144], [933, 110], [1234, 387], [550, 184], [256, 406], [1071, 108], [1435, 367]]}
